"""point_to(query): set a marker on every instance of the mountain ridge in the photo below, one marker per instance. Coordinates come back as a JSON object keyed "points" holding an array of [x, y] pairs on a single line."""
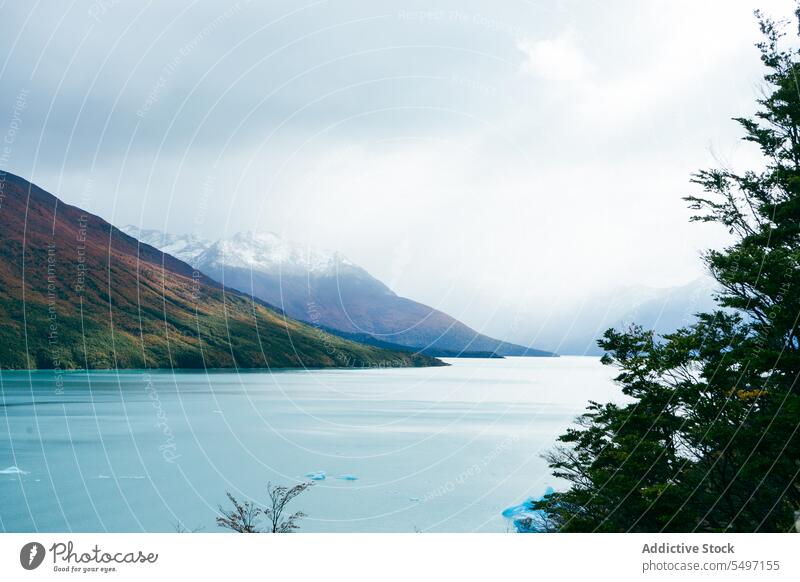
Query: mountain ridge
{"points": [[79, 293]]}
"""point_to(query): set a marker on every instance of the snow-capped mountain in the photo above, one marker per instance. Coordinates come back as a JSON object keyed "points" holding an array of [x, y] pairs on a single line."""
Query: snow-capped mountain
{"points": [[268, 253], [159, 313], [184, 247], [327, 290], [262, 251]]}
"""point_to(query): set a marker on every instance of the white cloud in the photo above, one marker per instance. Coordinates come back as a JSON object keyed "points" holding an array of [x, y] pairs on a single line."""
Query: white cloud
{"points": [[558, 59], [446, 156]]}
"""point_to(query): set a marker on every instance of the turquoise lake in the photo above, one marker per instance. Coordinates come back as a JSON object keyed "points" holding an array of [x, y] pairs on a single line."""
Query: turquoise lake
{"points": [[400, 450]]}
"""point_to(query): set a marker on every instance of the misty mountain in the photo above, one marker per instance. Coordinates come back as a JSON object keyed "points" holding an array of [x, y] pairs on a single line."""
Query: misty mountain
{"points": [[326, 289], [576, 328]]}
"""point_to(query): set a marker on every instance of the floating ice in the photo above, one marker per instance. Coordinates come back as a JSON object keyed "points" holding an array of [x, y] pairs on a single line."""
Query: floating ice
{"points": [[348, 477], [413, 498], [316, 475], [13, 470], [101, 476], [521, 509], [524, 517]]}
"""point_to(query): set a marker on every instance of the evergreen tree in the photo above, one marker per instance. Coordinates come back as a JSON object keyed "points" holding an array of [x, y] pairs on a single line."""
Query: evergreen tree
{"points": [[709, 438]]}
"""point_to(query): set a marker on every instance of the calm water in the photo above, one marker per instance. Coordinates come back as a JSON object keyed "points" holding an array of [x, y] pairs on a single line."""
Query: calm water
{"points": [[435, 449]]}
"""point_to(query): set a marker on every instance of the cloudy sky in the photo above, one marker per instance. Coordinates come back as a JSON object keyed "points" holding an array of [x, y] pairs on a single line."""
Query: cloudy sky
{"points": [[477, 156]]}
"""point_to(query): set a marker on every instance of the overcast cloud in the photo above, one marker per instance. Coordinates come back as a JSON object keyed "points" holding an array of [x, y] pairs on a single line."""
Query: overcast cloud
{"points": [[477, 156]]}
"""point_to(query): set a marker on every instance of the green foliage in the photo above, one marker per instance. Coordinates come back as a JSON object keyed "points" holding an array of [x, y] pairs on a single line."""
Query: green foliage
{"points": [[75, 292], [709, 436]]}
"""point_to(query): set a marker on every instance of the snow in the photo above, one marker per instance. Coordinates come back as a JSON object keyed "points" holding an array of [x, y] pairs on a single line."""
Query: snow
{"points": [[269, 253], [262, 251], [184, 247]]}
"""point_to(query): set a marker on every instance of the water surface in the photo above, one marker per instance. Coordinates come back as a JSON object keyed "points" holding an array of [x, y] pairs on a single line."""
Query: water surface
{"points": [[431, 449]]}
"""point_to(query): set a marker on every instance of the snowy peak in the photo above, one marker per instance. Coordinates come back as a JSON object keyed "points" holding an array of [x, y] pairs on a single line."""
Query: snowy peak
{"points": [[185, 247], [267, 252], [261, 250]]}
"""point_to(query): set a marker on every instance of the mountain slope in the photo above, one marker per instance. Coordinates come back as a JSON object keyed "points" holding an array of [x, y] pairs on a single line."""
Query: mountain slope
{"points": [[76, 292], [326, 289]]}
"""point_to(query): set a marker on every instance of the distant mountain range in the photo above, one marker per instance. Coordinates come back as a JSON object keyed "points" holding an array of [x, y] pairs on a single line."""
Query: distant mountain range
{"points": [[76, 292], [328, 290], [576, 328]]}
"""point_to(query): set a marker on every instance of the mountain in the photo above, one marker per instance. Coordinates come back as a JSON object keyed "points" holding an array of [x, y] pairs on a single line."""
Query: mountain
{"points": [[327, 289], [76, 292], [576, 327], [365, 338]]}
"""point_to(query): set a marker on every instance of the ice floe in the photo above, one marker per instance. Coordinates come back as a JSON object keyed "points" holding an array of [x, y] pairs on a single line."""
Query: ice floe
{"points": [[13, 470], [524, 517], [347, 477], [316, 475]]}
